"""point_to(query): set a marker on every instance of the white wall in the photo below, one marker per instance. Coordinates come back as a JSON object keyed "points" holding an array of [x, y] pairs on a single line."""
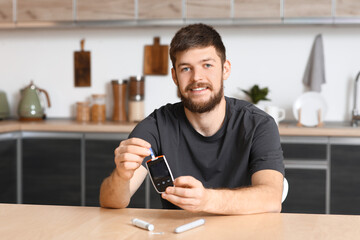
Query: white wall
{"points": [[269, 56]]}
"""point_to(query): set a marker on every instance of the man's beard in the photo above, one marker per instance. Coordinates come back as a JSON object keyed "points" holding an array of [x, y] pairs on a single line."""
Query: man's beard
{"points": [[204, 106]]}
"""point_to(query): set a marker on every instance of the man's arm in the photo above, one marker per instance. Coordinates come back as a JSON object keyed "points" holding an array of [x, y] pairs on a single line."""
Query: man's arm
{"points": [[264, 195], [117, 189]]}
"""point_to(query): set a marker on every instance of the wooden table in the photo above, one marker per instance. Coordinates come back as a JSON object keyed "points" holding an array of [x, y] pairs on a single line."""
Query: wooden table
{"points": [[63, 222]]}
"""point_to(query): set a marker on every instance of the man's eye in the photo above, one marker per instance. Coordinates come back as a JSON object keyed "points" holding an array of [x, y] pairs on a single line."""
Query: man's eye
{"points": [[185, 69], [207, 65]]}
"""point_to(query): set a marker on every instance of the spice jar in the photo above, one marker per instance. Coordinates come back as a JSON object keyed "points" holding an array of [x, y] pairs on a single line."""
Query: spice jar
{"points": [[98, 109], [82, 111], [136, 98]]}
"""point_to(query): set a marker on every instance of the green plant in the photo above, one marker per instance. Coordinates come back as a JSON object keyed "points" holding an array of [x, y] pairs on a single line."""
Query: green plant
{"points": [[257, 94]]}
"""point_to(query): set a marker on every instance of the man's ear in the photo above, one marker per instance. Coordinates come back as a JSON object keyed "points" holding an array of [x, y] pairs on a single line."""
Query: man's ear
{"points": [[226, 69], [173, 75]]}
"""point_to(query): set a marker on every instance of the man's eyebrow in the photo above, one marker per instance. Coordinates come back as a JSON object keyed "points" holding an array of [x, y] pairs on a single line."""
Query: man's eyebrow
{"points": [[208, 59], [183, 64], [203, 60]]}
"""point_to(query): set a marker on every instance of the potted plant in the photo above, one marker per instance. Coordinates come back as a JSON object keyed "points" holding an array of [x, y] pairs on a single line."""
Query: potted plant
{"points": [[257, 94]]}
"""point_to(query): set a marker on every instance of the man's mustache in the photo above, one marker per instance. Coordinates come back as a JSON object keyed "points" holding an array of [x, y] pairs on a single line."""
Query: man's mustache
{"points": [[198, 85]]}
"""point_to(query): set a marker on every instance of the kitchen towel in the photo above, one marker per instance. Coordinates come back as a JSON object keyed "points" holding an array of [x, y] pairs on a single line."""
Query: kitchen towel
{"points": [[314, 74]]}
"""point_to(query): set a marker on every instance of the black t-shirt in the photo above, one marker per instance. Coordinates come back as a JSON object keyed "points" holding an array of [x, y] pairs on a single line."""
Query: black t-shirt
{"points": [[247, 142]]}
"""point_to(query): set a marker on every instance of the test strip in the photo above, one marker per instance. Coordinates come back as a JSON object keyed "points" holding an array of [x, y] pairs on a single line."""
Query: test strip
{"points": [[189, 226], [152, 153]]}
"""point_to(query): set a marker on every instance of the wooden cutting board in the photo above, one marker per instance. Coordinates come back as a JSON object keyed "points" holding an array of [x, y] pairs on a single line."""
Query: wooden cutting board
{"points": [[82, 67], [156, 58]]}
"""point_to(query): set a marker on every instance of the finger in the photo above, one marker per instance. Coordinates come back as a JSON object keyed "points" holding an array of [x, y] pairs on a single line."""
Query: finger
{"points": [[180, 201], [134, 149], [128, 157], [130, 165], [187, 182], [181, 192], [136, 141]]}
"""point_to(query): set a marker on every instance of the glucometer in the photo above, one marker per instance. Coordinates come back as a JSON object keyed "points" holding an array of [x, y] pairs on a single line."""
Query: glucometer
{"points": [[160, 173]]}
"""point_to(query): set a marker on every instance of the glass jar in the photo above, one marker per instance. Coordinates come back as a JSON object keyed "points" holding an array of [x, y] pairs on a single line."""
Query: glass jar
{"points": [[98, 109], [136, 98], [83, 111]]}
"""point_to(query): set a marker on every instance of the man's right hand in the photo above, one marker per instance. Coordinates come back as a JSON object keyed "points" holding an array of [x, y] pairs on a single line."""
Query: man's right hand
{"points": [[129, 156]]}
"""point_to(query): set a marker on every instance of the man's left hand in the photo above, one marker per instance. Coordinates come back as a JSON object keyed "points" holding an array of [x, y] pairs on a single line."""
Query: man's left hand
{"points": [[188, 193]]}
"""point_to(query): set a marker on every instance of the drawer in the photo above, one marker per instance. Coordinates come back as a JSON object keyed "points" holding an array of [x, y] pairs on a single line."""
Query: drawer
{"points": [[304, 151]]}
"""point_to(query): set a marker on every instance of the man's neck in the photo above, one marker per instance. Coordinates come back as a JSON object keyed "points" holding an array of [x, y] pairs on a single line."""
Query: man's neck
{"points": [[208, 123]]}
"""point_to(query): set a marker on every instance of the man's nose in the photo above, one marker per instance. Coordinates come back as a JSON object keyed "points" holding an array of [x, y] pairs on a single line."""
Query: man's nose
{"points": [[198, 74]]}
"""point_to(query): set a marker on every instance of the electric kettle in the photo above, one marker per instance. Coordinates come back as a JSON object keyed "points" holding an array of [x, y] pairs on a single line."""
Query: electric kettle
{"points": [[4, 106], [31, 107]]}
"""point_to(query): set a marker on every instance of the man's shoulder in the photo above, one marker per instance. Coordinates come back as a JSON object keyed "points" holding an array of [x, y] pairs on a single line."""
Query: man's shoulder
{"points": [[237, 105], [161, 119], [248, 112], [168, 110]]}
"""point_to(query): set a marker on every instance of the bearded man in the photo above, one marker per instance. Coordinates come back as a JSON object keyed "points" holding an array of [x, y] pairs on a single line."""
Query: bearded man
{"points": [[224, 153]]}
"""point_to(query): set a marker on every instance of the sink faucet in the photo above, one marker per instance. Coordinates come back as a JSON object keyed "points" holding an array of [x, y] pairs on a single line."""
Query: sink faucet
{"points": [[355, 113]]}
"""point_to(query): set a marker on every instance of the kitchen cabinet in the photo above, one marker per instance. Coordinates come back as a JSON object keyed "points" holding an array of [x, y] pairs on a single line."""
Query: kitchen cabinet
{"points": [[307, 170], [6, 10], [307, 192], [105, 10], [99, 164], [347, 8], [8, 173], [51, 168], [160, 9], [208, 9], [307, 8], [257, 9], [345, 177], [44, 10]]}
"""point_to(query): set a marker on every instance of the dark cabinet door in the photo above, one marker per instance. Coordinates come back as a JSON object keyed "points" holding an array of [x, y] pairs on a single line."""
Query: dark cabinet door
{"points": [[306, 162], [8, 171], [99, 156], [51, 171], [345, 179], [306, 191]]}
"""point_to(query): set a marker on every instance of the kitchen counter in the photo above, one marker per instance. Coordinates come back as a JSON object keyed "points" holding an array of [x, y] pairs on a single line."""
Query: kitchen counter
{"points": [[330, 129], [65, 125]]}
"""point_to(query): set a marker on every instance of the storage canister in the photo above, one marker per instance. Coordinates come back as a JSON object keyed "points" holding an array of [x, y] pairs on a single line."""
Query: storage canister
{"points": [[136, 98], [98, 109], [120, 100], [83, 111]]}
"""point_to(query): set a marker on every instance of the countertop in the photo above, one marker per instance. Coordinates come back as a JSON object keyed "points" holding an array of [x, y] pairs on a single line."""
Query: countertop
{"points": [[65, 125], [18, 221], [329, 129]]}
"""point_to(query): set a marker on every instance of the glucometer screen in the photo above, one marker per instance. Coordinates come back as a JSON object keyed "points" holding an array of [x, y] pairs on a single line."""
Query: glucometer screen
{"points": [[158, 169], [160, 174]]}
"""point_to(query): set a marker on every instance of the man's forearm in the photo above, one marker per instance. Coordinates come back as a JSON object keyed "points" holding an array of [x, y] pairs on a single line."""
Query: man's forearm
{"points": [[115, 192], [248, 200]]}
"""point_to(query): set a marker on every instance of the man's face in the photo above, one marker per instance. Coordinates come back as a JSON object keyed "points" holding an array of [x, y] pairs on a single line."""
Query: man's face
{"points": [[199, 75]]}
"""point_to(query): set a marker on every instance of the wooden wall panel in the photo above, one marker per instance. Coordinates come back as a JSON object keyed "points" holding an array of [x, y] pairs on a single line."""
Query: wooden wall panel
{"points": [[44, 10], [256, 8], [105, 9], [307, 8], [208, 9], [6, 11], [347, 8], [160, 9]]}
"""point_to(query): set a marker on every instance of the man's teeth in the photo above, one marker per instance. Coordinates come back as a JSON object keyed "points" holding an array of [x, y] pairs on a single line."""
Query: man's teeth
{"points": [[199, 89]]}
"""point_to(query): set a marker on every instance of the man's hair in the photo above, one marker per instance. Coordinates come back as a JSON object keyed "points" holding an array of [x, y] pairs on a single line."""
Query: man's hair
{"points": [[196, 36]]}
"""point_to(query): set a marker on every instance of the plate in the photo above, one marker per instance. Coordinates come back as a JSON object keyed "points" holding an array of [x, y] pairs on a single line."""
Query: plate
{"points": [[310, 103]]}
